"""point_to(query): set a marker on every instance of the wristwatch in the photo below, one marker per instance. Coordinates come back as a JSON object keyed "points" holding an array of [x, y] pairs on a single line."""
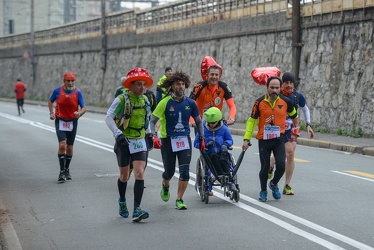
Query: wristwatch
{"points": [[51, 112]]}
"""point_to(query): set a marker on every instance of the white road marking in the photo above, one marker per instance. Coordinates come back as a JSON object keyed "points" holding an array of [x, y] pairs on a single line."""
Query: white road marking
{"points": [[248, 208]]}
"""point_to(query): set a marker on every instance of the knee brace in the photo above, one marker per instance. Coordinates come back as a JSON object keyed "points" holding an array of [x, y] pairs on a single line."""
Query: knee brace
{"points": [[184, 172]]}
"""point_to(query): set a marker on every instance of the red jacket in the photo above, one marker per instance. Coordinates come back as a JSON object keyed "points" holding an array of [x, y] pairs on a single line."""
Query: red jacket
{"points": [[20, 89]]}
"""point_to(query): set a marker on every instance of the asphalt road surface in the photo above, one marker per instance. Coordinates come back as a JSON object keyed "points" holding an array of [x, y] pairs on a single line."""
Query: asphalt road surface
{"points": [[332, 207]]}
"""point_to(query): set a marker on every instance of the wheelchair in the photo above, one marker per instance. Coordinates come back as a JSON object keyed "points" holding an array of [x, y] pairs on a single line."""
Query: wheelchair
{"points": [[206, 180]]}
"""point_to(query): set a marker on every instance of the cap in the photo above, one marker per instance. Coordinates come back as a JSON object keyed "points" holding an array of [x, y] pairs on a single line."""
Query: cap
{"points": [[288, 76], [138, 74], [69, 76]]}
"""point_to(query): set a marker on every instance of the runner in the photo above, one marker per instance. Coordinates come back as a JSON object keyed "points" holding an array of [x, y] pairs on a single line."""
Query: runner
{"points": [[149, 139], [270, 112], [174, 111], [20, 89], [69, 108], [128, 119], [298, 100], [212, 92]]}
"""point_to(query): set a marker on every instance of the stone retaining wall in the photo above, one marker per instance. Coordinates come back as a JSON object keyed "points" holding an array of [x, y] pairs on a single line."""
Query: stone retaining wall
{"points": [[336, 67]]}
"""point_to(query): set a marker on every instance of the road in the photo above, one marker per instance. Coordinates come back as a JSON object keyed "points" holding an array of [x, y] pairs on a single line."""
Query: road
{"points": [[332, 207]]}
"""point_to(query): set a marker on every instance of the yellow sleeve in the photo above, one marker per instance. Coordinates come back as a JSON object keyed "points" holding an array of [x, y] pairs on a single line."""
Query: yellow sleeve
{"points": [[249, 128]]}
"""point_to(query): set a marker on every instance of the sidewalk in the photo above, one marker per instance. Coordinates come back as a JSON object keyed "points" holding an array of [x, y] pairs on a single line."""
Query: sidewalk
{"points": [[363, 146]]}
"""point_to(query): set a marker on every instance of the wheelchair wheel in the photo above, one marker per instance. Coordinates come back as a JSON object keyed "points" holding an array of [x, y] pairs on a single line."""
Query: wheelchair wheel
{"points": [[236, 195], [200, 185]]}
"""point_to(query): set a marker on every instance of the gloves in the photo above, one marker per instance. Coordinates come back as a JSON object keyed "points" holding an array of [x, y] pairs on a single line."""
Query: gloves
{"points": [[149, 140], [122, 140], [202, 144], [209, 144], [156, 142], [295, 131], [224, 149]]}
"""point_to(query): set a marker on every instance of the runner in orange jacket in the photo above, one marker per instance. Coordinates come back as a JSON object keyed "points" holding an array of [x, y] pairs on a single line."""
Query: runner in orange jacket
{"points": [[211, 93]]}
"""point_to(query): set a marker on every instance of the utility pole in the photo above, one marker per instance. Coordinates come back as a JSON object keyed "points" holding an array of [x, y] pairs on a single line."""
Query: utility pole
{"points": [[103, 46], [32, 38], [103, 36], [296, 40]]}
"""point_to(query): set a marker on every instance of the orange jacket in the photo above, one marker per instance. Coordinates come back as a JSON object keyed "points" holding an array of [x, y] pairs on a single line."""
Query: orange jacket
{"points": [[207, 96]]}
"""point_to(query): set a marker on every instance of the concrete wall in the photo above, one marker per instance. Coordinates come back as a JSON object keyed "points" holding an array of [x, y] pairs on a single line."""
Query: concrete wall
{"points": [[336, 68]]}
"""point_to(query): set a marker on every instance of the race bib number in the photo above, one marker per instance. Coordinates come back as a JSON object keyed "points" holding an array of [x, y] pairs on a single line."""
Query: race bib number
{"points": [[288, 124], [137, 145], [179, 143], [65, 126], [271, 132]]}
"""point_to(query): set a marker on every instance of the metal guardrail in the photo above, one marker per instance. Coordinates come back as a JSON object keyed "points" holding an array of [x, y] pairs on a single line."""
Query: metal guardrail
{"points": [[178, 15]]}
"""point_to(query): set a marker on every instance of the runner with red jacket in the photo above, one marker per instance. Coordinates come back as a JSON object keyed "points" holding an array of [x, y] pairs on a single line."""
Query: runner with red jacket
{"points": [[20, 89]]}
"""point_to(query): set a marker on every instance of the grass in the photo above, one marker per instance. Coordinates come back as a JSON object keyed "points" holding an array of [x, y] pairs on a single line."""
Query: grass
{"points": [[355, 133]]}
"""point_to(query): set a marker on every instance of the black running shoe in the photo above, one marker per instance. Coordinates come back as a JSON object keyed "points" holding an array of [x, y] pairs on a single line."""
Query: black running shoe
{"points": [[62, 177], [67, 174]]}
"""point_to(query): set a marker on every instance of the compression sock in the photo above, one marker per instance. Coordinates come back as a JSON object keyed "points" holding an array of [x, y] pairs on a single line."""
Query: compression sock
{"points": [[61, 159], [122, 190], [68, 160], [138, 192]]}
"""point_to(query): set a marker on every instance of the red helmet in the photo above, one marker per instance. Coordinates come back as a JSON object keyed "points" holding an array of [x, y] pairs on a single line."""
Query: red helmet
{"points": [[69, 76], [138, 74]]}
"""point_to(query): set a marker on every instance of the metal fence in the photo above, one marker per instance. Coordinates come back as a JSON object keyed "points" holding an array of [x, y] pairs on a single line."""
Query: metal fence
{"points": [[180, 14]]}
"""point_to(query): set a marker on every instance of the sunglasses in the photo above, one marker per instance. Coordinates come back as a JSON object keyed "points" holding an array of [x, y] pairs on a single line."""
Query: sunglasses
{"points": [[211, 123]]}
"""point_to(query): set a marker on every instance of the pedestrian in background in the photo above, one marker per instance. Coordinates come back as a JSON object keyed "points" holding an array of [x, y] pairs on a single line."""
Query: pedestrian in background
{"points": [[161, 92], [69, 108], [20, 89]]}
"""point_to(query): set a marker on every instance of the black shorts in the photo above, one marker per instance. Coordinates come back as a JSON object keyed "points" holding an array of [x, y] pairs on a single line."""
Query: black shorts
{"points": [[169, 157], [69, 136], [124, 156], [20, 102]]}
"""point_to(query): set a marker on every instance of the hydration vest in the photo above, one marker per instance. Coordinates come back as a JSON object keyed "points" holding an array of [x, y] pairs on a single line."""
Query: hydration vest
{"points": [[122, 120]]}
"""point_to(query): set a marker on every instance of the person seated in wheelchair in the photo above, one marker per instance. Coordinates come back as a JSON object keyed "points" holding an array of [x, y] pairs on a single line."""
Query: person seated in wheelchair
{"points": [[218, 140]]}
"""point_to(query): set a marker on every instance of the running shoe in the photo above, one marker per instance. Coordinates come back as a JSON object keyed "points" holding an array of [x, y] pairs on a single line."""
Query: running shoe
{"points": [[287, 190], [123, 211], [139, 215], [263, 196], [67, 174], [270, 173], [276, 194], [179, 204], [61, 177], [165, 194]]}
